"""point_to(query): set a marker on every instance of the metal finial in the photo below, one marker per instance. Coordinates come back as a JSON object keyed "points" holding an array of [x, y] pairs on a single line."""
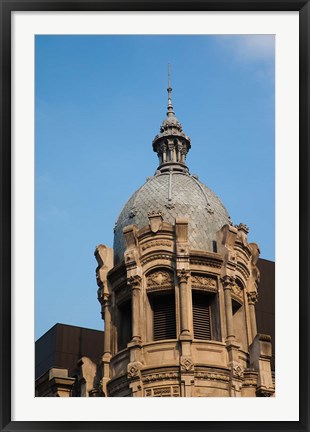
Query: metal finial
{"points": [[169, 90], [169, 85]]}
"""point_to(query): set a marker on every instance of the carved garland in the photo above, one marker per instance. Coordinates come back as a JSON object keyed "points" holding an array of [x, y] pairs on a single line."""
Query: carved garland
{"points": [[160, 377], [212, 376]]}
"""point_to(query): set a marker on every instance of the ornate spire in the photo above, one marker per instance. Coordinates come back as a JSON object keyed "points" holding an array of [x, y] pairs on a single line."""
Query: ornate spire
{"points": [[171, 144], [169, 90]]}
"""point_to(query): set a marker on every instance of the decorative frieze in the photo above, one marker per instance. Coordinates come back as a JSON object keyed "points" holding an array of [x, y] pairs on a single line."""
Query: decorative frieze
{"points": [[169, 391], [203, 283], [156, 243], [212, 376], [205, 262], [157, 257], [160, 280], [163, 376]]}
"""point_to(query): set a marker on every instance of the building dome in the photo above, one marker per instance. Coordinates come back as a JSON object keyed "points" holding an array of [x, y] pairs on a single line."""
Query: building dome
{"points": [[174, 194]]}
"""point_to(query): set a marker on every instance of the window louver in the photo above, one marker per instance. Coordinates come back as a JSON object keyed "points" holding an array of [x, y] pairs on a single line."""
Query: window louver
{"points": [[201, 317], [164, 317]]}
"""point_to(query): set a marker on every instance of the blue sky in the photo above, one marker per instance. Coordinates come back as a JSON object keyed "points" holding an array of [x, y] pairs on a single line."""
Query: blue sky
{"points": [[99, 102]]}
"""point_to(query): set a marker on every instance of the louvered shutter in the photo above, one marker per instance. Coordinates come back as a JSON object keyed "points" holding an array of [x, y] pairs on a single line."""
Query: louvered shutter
{"points": [[164, 317], [201, 316]]}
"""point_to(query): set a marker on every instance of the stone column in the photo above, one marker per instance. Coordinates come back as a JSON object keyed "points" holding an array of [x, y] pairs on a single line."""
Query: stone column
{"points": [[107, 323], [135, 283], [228, 282], [252, 299], [183, 276]]}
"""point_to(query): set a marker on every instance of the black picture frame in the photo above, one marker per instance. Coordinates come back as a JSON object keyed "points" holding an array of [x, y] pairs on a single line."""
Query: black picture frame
{"points": [[9, 6]]}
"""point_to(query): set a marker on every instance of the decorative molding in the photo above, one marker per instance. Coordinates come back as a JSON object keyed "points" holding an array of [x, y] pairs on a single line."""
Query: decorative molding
{"points": [[249, 383], [156, 243], [156, 257], [241, 267], [205, 262], [203, 282]]}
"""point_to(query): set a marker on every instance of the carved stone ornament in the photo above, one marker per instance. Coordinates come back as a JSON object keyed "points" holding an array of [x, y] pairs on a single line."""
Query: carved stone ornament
{"points": [[133, 370], [252, 297], [228, 281], [183, 275], [160, 279], [237, 292], [156, 219], [133, 212], [186, 365], [104, 298], [100, 294], [237, 370], [204, 282], [134, 281]]}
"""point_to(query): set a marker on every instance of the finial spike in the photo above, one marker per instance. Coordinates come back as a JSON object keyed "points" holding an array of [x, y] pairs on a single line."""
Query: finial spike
{"points": [[169, 90], [169, 85]]}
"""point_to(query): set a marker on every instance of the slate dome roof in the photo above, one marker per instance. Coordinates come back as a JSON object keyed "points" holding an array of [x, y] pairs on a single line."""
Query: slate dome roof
{"points": [[173, 191], [188, 198]]}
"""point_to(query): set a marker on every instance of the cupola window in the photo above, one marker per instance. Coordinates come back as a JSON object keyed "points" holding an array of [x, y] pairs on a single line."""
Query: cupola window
{"points": [[164, 320], [202, 316], [124, 324]]}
